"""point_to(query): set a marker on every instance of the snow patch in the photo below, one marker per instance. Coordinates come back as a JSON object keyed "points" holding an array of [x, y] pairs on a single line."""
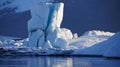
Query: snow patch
{"points": [[108, 48], [98, 33]]}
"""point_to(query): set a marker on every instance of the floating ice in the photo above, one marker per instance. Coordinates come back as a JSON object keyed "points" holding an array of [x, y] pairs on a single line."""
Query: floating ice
{"points": [[45, 26], [113, 50], [108, 48]]}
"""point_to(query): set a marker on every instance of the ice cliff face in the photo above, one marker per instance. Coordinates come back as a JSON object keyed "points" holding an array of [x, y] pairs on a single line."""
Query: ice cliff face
{"points": [[44, 26]]}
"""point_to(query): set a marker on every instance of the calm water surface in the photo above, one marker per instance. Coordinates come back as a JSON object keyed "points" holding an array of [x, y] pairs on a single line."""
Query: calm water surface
{"points": [[57, 62]]}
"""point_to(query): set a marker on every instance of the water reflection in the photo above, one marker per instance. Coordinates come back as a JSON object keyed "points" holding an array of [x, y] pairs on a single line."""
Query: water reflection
{"points": [[57, 62]]}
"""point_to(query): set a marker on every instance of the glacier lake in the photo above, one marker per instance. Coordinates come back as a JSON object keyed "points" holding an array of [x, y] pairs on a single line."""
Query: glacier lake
{"points": [[57, 61]]}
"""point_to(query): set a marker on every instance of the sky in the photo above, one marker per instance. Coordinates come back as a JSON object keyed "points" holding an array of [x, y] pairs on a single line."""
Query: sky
{"points": [[87, 15], [79, 16]]}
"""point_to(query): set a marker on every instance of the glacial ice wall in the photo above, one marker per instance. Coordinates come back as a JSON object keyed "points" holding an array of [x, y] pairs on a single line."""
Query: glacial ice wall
{"points": [[44, 26]]}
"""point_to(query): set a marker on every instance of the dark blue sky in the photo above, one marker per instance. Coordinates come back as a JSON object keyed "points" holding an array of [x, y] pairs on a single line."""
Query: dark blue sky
{"points": [[87, 15], [79, 16]]}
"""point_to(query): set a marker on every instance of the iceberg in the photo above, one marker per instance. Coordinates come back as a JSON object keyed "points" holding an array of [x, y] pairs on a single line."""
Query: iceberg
{"points": [[106, 48], [114, 46], [103, 45], [44, 26], [36, 39], [46, 37]]}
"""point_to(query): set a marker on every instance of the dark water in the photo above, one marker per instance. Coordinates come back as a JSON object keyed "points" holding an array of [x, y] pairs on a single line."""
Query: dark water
{"points": [[57, 62]]}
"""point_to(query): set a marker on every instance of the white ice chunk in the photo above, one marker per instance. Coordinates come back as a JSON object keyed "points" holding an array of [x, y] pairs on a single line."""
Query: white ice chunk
{"points": [[39, 18], [36, 39], [48, 45], [37, 25], [65, 34], [60, 34], [61, 43], [54, 30], [55, 16], [45, 26]]}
